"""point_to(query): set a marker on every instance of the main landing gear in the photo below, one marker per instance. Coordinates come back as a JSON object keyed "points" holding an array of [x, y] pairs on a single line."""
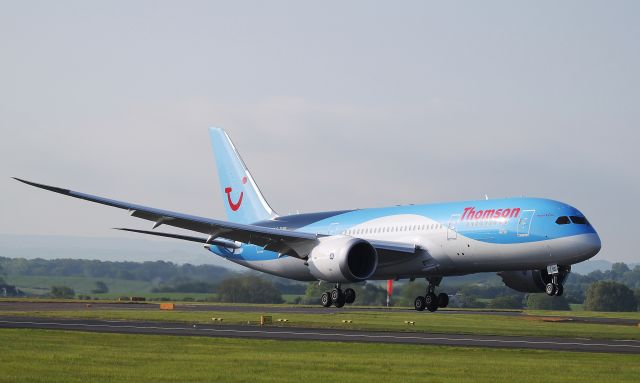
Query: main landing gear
{"points": [[431, 301], [337, 297], [555, 286]]}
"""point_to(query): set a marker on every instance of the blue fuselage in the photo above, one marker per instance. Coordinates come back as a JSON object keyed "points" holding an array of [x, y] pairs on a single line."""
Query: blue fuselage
{"points": [[456, 238]]}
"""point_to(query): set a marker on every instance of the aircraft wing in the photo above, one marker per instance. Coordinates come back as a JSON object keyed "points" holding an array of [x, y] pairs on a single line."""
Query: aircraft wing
{"points": [[293, 243], [282, 241]]}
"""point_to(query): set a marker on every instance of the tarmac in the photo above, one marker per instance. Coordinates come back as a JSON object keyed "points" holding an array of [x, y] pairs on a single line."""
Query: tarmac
{"points": [[315, 334]]}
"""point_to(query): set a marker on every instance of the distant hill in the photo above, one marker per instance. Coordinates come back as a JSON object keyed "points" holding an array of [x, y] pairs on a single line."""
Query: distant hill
{"points": [[596, 264], [586, 267], [109, 249]]}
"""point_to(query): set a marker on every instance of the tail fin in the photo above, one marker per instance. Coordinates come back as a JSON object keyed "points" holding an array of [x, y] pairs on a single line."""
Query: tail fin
{"points": [[243, 201]]}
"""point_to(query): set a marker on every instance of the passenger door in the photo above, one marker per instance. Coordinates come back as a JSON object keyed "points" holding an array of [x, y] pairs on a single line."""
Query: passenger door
{"points": [[524, 223], [452, 231]]}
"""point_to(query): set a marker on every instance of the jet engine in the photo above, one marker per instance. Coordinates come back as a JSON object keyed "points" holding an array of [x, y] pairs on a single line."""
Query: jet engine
{"points": [[529, 281], [342, 259]]}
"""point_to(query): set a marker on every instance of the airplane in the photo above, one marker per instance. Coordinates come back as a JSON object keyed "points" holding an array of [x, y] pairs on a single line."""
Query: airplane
{"points": [[530, 242]]}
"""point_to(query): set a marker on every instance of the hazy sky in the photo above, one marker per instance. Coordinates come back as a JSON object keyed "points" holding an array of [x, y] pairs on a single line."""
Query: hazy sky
{"points": [[332, 104]]}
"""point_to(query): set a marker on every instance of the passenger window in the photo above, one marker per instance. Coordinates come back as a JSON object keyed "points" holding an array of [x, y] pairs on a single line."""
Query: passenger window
{"points": [[564, 220], [579, 220]]}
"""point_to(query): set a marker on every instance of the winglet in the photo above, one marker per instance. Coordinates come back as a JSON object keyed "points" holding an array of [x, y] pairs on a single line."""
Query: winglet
{"points": [[42, 186]]}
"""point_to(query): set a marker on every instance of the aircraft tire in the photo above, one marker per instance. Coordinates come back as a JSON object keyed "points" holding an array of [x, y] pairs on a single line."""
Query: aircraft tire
{"points": [[336, 294], [550, 289], [325, 299], [443, 300], [431, 302], [349, 296], [419, 303]]}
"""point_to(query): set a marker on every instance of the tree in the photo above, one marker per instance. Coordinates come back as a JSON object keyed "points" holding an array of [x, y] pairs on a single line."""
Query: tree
{"points": [[62, 292], [545, 302], [408, 293], [369, 294], [637, 294], [248, 289], [313, 293], [505, 302], [618, 269], [101, 288], [465, 301], [610, 296]]}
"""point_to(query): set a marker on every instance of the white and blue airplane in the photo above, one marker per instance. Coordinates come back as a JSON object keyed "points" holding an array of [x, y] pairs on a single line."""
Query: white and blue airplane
{"points": [[530, 242]]}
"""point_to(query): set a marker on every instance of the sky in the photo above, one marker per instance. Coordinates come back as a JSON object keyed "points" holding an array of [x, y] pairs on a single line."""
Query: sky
{"points": [[333, 105]]}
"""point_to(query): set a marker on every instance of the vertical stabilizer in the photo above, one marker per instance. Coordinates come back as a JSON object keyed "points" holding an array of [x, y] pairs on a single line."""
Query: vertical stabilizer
{"points": [[242, 199]]}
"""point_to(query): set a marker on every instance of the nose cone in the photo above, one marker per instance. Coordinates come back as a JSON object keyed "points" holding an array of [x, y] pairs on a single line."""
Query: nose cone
{"points": [[585, 246], [592, 244]]}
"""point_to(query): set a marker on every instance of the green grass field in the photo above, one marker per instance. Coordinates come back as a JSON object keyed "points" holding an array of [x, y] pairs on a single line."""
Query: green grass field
{"points": [[393, 320], [40, 285], [587, 314], [61, 356]]}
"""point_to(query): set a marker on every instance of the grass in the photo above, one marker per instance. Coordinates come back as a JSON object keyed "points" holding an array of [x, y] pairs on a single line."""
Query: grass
{"points": [[290, 298], [36, 284], [149, 296], [587, 314], [41, 285], [362, 320], [44, 356]]}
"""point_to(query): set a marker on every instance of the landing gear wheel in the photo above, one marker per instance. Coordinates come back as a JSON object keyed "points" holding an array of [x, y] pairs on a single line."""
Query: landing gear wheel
{"points": [[559, 290], [550, 289], [349, 296], [325, 299], [419, 304], [337, 296], [431, 302], [443, 300]]}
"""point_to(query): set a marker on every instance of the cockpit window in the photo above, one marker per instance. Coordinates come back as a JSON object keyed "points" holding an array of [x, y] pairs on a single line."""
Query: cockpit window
{"points": [[564, 220], [579, 220]]}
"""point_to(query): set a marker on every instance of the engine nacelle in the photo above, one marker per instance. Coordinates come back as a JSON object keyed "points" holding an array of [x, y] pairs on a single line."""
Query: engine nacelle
{"points": [[526, 281], [530, 281], [343, 259]]}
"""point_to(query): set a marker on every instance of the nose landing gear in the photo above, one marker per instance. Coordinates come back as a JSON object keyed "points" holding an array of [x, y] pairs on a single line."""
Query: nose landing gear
{"points": [[555, 286], [431, 301]]}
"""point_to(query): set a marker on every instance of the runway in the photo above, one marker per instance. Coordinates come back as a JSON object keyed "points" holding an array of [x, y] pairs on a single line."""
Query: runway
{"points": [[69, 306], [309, 334]]}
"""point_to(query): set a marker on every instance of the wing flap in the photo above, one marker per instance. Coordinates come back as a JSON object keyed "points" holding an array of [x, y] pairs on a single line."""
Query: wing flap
{"points": [[190, 238]]}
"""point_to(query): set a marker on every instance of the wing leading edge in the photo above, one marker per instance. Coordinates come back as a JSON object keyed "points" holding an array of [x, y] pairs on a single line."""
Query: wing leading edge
{"points": [[293, 243]]}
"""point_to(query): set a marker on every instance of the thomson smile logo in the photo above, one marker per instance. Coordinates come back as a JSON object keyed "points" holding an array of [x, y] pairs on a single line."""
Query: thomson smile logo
{"points": [[235, 205]]}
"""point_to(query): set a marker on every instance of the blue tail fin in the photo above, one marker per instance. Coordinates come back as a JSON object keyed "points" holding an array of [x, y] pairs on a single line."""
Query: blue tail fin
{"points": [[243, 201]]}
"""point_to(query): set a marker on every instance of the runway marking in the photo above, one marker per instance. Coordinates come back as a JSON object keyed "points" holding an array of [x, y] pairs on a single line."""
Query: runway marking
{"points": [[323, 334]]}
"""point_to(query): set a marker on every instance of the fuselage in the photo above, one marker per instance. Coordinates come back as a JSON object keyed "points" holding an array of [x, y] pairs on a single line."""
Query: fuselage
{"points": [[453, 238]]}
